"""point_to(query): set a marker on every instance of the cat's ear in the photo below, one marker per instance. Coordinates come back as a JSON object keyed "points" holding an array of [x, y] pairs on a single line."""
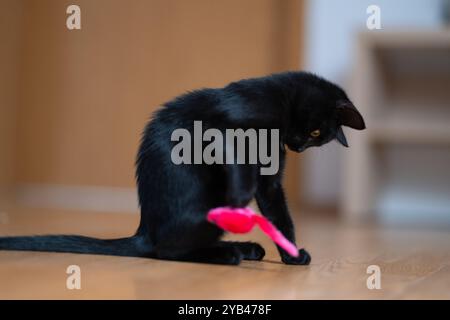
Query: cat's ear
{"points": [[348, 115], [341, 137]]}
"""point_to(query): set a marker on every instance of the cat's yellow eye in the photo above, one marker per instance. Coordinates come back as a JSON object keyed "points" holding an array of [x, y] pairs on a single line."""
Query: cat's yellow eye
{"points": [[315, 133]]}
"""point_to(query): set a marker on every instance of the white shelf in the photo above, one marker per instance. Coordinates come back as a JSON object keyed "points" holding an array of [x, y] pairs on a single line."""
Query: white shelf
{"points": [[402, 129], [407, 39], [401, 84]]}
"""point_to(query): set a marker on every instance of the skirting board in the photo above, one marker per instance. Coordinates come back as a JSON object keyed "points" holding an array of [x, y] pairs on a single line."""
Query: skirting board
{"points": [[102, 199]]}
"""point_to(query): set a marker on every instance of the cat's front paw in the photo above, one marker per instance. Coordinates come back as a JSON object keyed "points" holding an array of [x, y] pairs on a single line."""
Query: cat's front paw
{"points": [[304, 258]]}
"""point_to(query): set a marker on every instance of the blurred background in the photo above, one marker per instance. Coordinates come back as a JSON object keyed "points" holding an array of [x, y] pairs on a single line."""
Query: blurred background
{"points": [[73, 102]]}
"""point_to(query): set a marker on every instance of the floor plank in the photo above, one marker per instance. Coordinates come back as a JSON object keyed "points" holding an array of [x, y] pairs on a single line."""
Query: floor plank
{"points": [[414, 264]]}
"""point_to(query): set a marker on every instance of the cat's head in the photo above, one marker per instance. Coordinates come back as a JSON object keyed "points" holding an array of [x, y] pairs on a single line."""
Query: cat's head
{"points": [[318, 114]]}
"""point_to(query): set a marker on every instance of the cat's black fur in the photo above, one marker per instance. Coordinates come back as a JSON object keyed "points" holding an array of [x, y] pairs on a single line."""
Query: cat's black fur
{"points": [[174, 199]]}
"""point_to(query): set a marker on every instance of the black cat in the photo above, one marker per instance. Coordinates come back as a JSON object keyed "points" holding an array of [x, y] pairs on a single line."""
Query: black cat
{"points": [[174, 199]]}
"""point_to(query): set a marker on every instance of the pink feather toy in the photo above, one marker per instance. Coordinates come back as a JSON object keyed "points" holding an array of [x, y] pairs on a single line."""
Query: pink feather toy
{"points": [[242, 220]]}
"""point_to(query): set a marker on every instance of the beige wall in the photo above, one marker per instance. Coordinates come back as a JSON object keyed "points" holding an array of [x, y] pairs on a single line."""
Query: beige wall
{"points": [[10, 28], [85, 95]]}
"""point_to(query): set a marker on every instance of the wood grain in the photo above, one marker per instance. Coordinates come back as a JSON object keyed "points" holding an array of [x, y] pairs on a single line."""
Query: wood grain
{"points": [[414, 264]]}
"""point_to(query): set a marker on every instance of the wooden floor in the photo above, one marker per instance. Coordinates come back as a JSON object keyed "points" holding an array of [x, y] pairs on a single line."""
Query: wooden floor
{"points": [[414, 264]]}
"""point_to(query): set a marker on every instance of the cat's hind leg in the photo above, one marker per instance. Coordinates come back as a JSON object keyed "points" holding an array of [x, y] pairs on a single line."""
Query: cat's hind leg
{"points": [[195, 241], [249, 250], [214, 254], [222, 252]]}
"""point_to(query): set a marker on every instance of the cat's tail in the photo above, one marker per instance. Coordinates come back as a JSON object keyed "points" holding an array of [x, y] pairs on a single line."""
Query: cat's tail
{"points": [[135, 246]]}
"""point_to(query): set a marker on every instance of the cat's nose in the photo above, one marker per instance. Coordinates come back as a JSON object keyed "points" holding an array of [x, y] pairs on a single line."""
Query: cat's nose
{"points": [[305, 146]]}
